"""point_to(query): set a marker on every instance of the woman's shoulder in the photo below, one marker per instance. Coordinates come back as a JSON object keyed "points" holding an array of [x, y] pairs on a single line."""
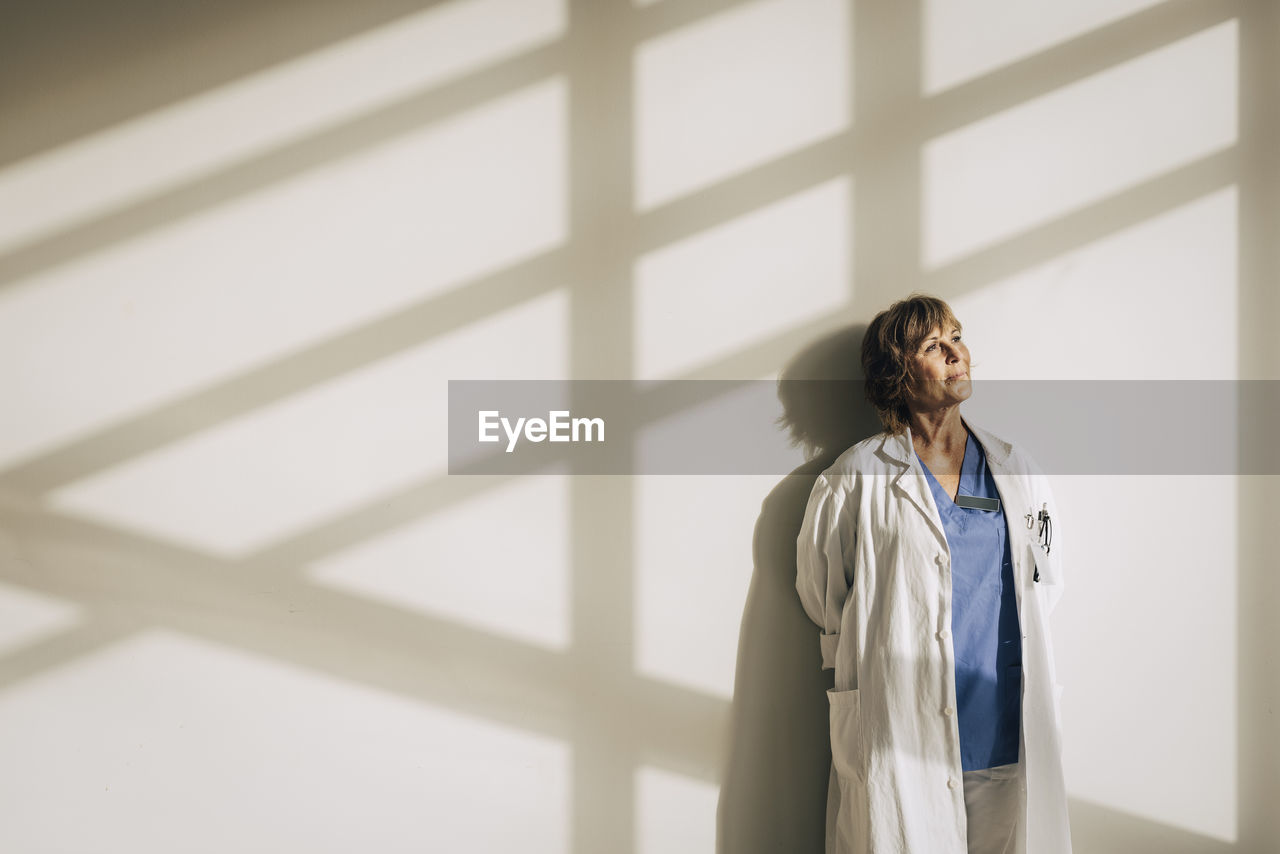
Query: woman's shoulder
{"points": [[873, 455]]}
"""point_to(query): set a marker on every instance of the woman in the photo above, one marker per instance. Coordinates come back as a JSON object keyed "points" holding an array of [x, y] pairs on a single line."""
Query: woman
{"points": [[926, 561]]}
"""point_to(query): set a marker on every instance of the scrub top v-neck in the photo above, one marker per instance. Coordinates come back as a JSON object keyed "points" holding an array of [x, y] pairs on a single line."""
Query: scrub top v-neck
{"points": [[984, 618]]}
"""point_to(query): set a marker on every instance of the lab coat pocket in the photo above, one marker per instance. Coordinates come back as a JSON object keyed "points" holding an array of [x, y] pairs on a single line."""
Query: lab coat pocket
{"points": [[1044, 568], [846, 733], [1046, 561], [1039, 560]]}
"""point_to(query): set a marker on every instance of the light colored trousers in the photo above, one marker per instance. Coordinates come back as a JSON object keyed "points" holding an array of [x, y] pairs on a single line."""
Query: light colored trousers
{"points": [[995, 802]]}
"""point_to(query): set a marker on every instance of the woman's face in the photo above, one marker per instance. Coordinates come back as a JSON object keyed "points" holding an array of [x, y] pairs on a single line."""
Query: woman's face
{"points": [[941, 368]]}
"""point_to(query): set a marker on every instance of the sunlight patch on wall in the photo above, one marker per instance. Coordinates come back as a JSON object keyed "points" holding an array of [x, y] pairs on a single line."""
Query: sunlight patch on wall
{"points": [[327, 450], [498, 561], [201, 300], [211, 749], [693, 566], [27, 616], [715, 293], [745, 86], [993, 179], [1113, 309], [1146, 646], [306, 96], [674, 814], [962, 40]]}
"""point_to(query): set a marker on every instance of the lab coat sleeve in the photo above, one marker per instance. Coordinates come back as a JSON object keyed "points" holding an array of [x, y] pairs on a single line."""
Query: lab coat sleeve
{"points": [[824, 561]]}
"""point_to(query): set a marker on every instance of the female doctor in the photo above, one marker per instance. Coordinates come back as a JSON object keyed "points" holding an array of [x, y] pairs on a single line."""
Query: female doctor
{"points": [[926, 560]]}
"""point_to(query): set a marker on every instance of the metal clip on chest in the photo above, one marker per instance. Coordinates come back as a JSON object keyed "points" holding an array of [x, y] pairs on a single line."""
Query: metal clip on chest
{"points": [[1045, 533]]}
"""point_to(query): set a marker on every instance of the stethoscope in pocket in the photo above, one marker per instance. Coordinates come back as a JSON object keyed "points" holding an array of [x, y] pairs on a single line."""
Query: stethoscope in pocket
{"points": [[1043, 526]]}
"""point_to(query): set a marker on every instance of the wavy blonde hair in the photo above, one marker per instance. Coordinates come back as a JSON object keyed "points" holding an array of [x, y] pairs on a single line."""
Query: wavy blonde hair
{"points": [[887, 350]]}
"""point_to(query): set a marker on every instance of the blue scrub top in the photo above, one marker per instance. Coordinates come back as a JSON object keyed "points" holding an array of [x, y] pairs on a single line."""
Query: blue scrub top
{"points": [[984, 618]]}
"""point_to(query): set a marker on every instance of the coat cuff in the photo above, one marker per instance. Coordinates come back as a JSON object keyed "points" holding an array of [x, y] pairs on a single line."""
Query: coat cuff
{"points": [[830, 642]]}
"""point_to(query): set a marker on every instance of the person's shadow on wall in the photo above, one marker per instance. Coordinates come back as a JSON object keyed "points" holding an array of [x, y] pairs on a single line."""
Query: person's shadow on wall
{"points": [[773, 792]]}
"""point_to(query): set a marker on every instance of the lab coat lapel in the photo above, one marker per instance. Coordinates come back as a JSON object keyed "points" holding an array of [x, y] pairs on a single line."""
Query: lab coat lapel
{"points": [[1013, 495], [910, 480]]}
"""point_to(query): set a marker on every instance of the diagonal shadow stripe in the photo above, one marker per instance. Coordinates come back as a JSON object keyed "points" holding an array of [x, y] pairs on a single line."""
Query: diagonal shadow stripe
{"points": [[1095, 827], [245, 392], [361, 524], [797, 170], [1071, 61], [1079, 228], [357, 134], [103, 43], [128, 584], [764, 355], [660, 19], [384, 514], [95, 632]]}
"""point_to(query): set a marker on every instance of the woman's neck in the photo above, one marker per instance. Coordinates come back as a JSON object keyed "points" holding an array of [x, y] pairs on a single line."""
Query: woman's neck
{"points": [[941, 432]]}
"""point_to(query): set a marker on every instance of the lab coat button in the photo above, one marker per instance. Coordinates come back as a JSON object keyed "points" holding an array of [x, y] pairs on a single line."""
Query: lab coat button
{"points": [[951, 783], [948, 711], [944, 634]]}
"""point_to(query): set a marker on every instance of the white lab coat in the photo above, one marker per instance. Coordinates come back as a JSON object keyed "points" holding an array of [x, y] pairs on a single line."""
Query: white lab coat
{"points": [[874, 573]]}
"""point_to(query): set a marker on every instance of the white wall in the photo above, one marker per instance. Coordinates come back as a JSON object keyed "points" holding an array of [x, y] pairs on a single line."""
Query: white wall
{"points": [[242, 602]]}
